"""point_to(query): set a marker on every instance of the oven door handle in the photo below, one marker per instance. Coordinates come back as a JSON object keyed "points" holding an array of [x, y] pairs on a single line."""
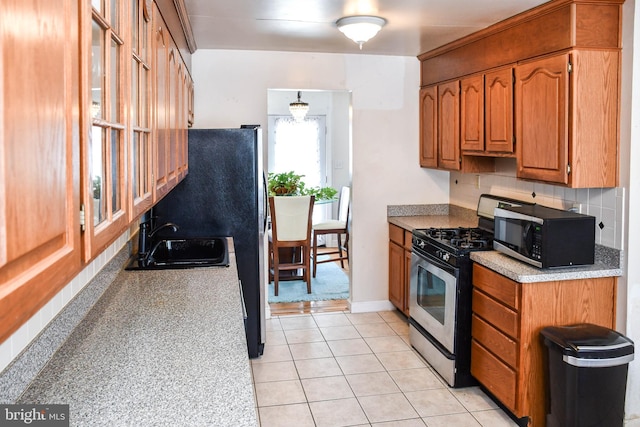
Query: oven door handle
{"points": [[435, 261]]}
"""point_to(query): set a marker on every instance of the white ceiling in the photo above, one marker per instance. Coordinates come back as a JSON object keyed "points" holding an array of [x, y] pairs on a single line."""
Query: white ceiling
{"points": [[413, 26]]}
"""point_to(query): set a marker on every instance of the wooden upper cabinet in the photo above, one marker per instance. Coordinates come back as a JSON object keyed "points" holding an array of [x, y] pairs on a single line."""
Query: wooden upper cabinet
{"points": [[161, 135], [542, 95], [472, 114], [564, 106], [141, 171], [173, 110], [429, 127], [171, 118], [498, 110], [594, 139], [105, 140], [40, 248], [449, 125]]}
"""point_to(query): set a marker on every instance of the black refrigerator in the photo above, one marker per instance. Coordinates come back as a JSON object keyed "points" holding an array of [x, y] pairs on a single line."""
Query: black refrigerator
{"points": [[224, 194]]}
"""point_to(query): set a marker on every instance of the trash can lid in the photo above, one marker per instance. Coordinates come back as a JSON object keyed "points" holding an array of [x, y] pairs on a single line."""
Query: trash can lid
{"points": [[588, 341]]}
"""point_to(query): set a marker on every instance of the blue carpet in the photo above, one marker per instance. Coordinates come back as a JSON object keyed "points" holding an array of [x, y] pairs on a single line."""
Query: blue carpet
{"points": [[330, 283]]}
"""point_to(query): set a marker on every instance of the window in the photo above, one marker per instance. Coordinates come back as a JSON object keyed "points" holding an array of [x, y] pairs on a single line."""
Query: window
{"points": [[299, 147]]}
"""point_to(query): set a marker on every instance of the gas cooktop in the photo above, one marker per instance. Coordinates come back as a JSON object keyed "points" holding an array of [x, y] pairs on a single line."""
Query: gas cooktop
{"points": [[455, 240]]}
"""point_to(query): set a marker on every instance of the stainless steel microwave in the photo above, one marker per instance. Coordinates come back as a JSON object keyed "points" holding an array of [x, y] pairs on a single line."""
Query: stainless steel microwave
{"points": [[544, 237]]}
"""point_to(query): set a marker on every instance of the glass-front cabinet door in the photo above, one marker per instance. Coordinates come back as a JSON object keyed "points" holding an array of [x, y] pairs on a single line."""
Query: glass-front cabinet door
{"points": [[105, 196], [141, 150]]}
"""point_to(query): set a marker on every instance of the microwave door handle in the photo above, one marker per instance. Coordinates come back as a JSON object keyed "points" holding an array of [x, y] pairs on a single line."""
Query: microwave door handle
{"points": [[527, 238]]}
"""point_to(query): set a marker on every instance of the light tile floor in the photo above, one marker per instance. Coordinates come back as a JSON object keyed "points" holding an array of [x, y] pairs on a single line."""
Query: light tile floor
{"points": [[343, 369]]}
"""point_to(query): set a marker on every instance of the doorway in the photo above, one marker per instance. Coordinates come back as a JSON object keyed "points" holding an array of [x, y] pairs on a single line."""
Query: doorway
{"points": [[318, 147]]}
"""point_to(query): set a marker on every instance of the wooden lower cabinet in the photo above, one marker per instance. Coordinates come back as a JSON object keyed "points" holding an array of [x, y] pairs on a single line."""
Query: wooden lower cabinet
{"points": [[507, 353], [399, 267]]}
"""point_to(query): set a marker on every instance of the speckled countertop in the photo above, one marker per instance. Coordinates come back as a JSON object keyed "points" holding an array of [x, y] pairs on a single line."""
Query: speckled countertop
{"points": [[604, 266], [158, 348], [607, 260], [425, 216]]}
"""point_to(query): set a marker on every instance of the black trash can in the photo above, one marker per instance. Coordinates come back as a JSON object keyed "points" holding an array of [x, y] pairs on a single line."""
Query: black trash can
{"points": [[586, 375]]}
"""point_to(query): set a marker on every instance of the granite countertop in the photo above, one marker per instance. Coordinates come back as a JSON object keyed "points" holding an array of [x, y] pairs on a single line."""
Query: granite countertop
{"points": [[607, 260], [426, 216], [158, 348], [604, 266]]}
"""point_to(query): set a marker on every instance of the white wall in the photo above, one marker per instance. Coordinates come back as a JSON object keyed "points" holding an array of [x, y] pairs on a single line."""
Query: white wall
{"points": [[231, 89]]}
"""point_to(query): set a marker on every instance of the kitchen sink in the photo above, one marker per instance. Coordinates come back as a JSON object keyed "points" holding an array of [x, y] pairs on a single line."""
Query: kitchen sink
{"points": [[183, 253]]}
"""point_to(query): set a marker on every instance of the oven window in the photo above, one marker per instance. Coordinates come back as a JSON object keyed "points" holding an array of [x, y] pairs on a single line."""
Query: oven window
{"points": [[431, 294]]}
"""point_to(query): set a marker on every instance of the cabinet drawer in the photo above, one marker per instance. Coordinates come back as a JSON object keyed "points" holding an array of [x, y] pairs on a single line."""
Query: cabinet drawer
{"points": [[408, 240], [497, 377], [495, 341], [396, 234], [499, 287], [501, 317]]}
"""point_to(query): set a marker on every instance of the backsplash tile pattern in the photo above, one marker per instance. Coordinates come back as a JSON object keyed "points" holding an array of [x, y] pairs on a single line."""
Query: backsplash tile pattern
{"points": [[606, 204]]}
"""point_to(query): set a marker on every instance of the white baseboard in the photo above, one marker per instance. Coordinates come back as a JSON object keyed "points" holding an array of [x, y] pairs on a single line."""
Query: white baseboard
{"points": [[368, 306]]}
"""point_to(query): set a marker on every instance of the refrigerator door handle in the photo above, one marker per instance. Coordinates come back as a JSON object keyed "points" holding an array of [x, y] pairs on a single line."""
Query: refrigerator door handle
{"points": [[265, 202]]}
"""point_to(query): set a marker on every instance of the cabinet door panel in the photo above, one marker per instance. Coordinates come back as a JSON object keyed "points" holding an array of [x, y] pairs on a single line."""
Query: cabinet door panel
{"points": [[39, 156], [472, 114], [595, 145], [499, 111], [162, 135], [429, 127], [449, 126], [542, 96]]}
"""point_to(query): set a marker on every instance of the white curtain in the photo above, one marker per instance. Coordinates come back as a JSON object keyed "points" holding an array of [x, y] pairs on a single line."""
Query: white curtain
{"points": [[297, 148]]}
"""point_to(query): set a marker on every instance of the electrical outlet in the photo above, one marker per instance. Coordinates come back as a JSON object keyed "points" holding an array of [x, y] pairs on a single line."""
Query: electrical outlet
{"points": [[477, 181]]}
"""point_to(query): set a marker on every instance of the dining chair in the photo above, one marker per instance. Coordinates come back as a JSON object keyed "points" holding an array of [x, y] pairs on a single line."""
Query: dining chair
{"points": [[338, 227], [291, 231]]}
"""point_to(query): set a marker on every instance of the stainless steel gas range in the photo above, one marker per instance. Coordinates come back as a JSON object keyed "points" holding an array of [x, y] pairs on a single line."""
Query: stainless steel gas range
{"points": [[440, 292]]}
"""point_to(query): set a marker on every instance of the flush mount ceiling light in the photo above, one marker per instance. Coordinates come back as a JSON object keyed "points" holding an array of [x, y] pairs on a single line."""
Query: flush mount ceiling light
{"points": [[360, 28], [299, 109]]}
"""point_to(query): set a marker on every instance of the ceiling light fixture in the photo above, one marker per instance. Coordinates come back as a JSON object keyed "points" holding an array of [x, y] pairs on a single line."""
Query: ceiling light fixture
{"points": [[360, 28], [299, 109]]}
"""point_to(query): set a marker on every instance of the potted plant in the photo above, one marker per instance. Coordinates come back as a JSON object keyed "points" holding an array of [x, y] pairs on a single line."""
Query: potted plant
{"points": [[284, 184], [291, 184]]}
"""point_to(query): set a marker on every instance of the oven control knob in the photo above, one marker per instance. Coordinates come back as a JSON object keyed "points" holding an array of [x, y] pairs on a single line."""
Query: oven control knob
{"points": [[420, 243], [445, 256]]}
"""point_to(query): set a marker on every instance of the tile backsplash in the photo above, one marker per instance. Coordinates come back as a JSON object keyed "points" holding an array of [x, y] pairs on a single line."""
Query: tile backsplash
{"points": [[606, 204]]}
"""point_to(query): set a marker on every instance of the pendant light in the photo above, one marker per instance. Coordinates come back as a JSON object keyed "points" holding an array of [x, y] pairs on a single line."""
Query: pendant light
{"points": [[299, 109], [360, 28]]}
